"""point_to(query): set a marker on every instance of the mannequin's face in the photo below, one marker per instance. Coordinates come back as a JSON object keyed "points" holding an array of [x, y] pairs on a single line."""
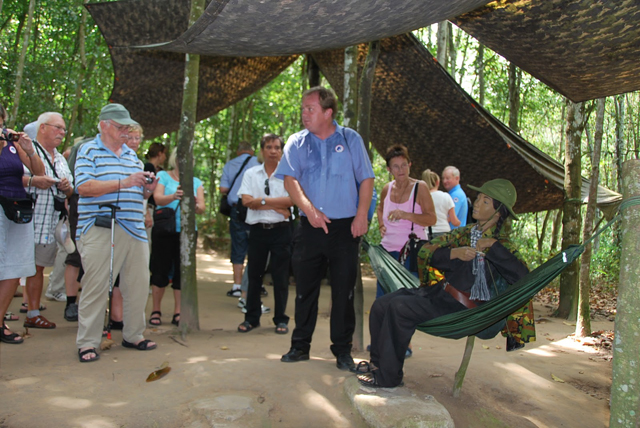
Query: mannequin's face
{"points": [[483, 208]]}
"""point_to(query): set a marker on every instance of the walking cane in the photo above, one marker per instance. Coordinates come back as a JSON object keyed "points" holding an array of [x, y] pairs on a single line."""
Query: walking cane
{"points": [[106, 344]]}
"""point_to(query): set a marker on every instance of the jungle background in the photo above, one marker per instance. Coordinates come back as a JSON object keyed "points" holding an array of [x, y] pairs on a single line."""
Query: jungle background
{"points": [[53, 58]]}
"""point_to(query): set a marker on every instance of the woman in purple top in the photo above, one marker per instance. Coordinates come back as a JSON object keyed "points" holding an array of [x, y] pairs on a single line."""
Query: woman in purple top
{"points": [[17, 250]]}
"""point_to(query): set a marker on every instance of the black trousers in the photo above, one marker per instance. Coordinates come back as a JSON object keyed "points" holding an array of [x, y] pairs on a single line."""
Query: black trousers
{"points": [[165, 259], [312, 250], [393, 320], [262, 242]]}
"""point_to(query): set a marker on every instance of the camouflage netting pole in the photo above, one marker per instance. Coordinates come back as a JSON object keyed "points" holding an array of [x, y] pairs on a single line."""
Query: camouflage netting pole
{"points": [[189, 291], [625, 388]]}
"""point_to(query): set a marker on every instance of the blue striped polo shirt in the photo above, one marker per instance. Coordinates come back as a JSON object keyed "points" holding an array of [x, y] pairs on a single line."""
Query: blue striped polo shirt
{"points": [[97, 162]]}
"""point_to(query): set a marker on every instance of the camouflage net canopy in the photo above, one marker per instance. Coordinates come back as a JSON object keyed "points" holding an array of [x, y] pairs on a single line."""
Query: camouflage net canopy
{"points": [[416, 103], [584, 49]]}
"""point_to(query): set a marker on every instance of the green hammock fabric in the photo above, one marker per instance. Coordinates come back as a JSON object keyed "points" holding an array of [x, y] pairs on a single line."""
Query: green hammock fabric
{"points": [[393, 276]]}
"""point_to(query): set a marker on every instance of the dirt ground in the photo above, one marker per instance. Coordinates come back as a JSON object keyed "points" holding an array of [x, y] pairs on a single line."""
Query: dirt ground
{"points": [[554, 382]]}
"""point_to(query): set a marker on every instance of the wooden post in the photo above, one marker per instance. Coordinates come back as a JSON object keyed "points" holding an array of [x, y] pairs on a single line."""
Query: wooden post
{"points": [[462, 371], [364, 99], [625, 388], [189, 286]]}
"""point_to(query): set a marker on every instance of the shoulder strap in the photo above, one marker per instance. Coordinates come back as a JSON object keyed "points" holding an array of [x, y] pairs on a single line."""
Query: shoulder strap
{"points": [[246, 161], [38, 146], [413, 210]]}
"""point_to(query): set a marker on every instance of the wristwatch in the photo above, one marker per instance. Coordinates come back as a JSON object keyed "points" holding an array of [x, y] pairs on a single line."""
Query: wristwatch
{"points": [[263, 202]]}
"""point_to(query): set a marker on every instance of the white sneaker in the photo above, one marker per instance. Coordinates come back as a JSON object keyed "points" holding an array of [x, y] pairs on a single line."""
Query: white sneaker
{"points": [[242, 303], [59, 296], [265, 309]]}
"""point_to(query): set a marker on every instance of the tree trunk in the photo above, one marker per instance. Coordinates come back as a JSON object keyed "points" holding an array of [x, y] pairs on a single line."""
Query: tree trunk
{"points": [[443, 37], [480, 73], [364, 98], [189, 289], [583, 326], [453, 51], [555, 232], [619, 118], [625, 387], [543, 234], [20, 68], [313, 72], [514, 97], [571, 218], [79, 79], [350, 96]]}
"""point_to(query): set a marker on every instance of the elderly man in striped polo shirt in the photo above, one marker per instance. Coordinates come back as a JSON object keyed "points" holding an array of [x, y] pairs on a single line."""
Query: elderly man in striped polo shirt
{"points": [[109, 172]]}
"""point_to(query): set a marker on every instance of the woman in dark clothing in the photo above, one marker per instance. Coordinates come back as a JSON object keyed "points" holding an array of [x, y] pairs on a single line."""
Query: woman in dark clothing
{"points": [[470, 258]]}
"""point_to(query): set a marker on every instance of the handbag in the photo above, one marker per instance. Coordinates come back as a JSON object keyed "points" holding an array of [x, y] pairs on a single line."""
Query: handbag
{"points": [[225, 206], [242, 211], [414, 244], [164, 220], [19, 210]]}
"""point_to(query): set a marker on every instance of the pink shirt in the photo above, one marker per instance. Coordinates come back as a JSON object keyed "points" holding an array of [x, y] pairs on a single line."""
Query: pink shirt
{"points": [[398, 231]]}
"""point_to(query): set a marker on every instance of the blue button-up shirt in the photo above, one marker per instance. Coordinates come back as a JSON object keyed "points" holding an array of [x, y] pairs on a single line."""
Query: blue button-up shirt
{"points": [[462, 207], [229, 172], [329, 171]]}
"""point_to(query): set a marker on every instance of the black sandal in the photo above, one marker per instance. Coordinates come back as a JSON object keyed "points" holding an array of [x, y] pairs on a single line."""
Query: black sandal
{"points": [[363, 367], [155, 321], [116, 325], [370, 380], [11, 337], [175, 320], [88, 351], [143, 345], [246, 327]]}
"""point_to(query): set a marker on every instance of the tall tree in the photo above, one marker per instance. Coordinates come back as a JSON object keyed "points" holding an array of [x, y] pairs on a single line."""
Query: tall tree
{"points": [[443, 41], [571, 218], [625, 388], [350, 96], [20, 69], [80, 78], [189, 291], [583, 325], [480, 73], [515, 78]]}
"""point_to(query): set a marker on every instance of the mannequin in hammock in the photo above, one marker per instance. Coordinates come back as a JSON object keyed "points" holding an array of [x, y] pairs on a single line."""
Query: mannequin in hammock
{"points": [[458, 256]]}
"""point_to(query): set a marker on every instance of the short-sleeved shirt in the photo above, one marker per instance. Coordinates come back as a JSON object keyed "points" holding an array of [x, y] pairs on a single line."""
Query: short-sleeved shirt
{"points": [[253, 184], [96, 162], [442, 202], [229, 172], [329, 171], [45, 218], [462, 207], [170, 187]]}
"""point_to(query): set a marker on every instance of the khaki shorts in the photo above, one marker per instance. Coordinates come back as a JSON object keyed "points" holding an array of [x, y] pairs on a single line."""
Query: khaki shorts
{"points": [[46, 254]]}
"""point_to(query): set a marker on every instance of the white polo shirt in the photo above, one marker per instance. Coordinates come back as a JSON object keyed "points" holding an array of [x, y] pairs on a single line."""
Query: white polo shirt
{"points": [[254, 184]]}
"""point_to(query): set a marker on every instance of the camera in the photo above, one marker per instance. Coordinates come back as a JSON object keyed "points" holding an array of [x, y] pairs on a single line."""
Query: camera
{"points": [[149, 180], [9, 137]]}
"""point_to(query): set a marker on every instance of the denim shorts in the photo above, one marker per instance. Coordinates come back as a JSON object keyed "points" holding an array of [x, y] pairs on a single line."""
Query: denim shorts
{"points": [[239, 232]]}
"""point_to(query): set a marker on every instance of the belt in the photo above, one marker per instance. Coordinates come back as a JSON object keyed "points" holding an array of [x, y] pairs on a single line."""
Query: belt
{"points": [[460, 296], [271, 225]]}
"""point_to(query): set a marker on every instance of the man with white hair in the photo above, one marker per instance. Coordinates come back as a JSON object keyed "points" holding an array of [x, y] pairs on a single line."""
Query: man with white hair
{"points": [[52, 189], [108, 172], [451, 182]]}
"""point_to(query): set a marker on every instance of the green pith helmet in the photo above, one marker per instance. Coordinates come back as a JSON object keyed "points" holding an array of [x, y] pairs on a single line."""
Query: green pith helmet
{"points": [[502, 191]]}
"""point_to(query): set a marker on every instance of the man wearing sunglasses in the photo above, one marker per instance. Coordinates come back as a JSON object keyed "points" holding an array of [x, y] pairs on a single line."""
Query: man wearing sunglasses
{"points": [[268, 215]]}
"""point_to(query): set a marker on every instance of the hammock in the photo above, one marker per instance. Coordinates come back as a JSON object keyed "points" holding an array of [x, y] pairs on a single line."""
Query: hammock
{"points": [[393, 276]]}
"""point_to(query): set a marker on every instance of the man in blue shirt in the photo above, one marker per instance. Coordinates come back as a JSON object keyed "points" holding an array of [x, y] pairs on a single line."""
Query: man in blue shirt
{"points": [[238, 230], [451, 182], [328, 174]]}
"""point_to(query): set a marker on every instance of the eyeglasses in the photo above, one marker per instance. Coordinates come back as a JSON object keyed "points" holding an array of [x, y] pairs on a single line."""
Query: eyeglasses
{"points": [[136, 138], [400, 167], [58, 127], [119, 127], [266, 187]]}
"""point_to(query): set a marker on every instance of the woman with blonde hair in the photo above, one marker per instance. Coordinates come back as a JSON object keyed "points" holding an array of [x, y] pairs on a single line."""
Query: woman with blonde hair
{"points": [[445, 208]]}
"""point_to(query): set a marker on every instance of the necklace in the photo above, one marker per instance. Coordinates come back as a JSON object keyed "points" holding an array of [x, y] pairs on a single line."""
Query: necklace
{"points": [[399, 192]]}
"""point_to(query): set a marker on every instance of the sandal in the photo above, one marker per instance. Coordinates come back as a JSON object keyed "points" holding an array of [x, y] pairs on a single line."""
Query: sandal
{"points": [[155, 321], [363, 367], [246, 327], [116, 325], [175, 320], [11, 337], [38, 322], [10, 316], [24, 308], [143, 345], [282, 328], [93, 351], [234, 292], [370, 380]]}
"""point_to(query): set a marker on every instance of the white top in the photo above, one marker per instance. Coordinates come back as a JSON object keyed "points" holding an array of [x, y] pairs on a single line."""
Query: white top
{"points": [[253, 184], [443, 203]]}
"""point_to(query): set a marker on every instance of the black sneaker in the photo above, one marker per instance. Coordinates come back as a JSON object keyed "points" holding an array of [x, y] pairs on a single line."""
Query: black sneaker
{"points": [[71, 312], [294, 355], [264, 292], [345, 362]]}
